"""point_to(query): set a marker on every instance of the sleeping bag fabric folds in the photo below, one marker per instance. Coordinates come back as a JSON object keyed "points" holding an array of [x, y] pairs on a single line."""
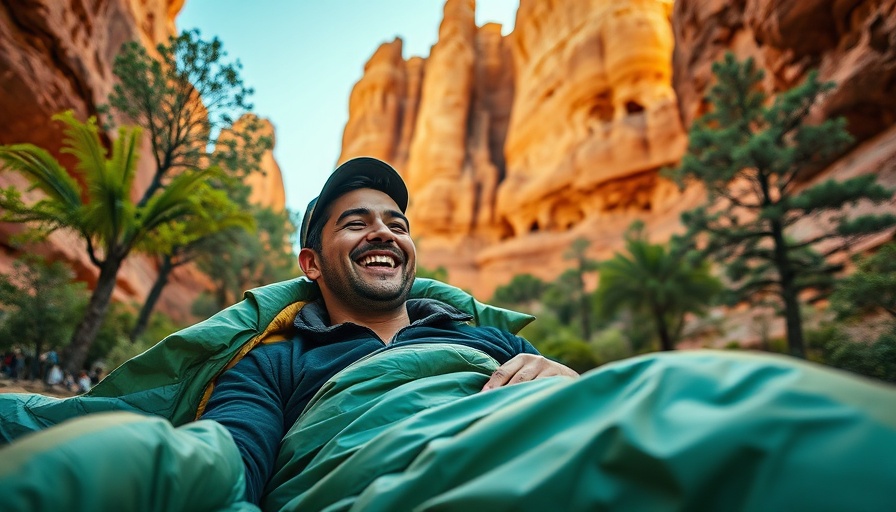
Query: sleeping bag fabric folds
{"points": [[408, 429]]}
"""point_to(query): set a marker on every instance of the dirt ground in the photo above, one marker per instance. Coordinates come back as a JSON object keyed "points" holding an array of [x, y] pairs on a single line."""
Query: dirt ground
{"points": [[24, 386]]}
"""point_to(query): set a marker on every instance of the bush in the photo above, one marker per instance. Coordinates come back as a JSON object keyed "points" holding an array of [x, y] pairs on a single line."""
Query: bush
{"points": [[119, 347], [611, 345], [876, 358]]}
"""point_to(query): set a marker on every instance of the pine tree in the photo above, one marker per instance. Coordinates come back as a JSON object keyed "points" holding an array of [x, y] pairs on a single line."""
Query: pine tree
{"points": [[752, 154], [186, 95]]}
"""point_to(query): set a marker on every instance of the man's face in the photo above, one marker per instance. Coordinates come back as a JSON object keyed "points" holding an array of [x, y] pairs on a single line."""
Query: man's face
{"points": [[368, 259]]}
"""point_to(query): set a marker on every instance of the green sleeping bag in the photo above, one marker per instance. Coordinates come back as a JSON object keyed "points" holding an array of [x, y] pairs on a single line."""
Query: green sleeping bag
{"points": [[408, 429]]}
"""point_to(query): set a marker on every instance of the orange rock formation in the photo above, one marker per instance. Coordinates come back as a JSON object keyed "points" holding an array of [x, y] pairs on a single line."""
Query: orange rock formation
{"points": [[267, 184], [521, 144]]}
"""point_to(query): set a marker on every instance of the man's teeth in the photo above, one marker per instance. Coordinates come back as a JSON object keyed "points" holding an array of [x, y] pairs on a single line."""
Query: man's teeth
{"points": [[379, 259]]}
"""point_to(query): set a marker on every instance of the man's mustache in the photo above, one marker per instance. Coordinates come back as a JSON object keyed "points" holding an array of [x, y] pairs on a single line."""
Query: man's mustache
{"points": [[387, 247]]}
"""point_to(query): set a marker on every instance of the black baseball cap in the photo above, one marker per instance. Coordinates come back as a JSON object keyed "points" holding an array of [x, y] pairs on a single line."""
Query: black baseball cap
{"points": [[384, 177]]}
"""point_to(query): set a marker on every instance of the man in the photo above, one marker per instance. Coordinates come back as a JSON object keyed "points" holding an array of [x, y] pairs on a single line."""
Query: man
{"points": [[357, 246], [398, 420]]}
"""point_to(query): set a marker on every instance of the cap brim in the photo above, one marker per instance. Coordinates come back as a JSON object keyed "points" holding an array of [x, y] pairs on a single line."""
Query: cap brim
{"points": [[386, 179]]}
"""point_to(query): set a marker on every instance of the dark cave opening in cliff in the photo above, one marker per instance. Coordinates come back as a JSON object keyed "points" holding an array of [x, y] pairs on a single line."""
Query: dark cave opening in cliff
{"points": [[633, 107]]}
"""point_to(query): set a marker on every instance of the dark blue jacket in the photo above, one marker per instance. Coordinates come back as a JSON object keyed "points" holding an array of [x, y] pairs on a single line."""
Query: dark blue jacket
{"points": [[261, 397]]}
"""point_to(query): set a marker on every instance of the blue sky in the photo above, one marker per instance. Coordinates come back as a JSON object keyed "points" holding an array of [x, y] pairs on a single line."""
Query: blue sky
{"points": [[303, 57]]}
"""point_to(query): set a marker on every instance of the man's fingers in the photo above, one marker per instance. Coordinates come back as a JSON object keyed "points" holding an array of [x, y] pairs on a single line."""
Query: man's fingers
{"points": [[526, 367], [503, 374], [522, 376]]}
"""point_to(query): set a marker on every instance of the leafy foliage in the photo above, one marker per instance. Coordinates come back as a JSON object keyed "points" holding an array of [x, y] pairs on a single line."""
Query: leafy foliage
{"points": [[100, 211], [237, 260], [183, 95], [522, 289], [114, 344], [576, 279], [751, 157], [187, 96], [180, 243], [655, 282], [41, 303], [876, 358], [871, 287]]}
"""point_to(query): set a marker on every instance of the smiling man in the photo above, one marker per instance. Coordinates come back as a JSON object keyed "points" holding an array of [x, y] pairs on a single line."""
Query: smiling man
{"points": [[357, 246], [297, 425]]}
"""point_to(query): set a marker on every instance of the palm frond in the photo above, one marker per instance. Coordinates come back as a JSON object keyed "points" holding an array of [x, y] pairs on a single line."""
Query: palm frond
{"points": [[82, 141], [44, 172], [175, 202], [111, 211]]}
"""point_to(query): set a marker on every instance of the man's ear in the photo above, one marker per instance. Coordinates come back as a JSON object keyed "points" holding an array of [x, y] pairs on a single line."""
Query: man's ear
{"points": [[310, 263]]}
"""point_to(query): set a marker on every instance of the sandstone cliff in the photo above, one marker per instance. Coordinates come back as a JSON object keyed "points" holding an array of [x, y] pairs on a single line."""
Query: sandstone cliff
{"points": [[267, 184], [851, 43], [521, 144]]}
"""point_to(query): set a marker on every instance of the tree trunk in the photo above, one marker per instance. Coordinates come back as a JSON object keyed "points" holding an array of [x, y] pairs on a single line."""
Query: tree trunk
{"points": [[586, 317], [221, 295], [793, 319], [584, 306], [788, 294], [663, 330], [153, 298], [89, 327]]}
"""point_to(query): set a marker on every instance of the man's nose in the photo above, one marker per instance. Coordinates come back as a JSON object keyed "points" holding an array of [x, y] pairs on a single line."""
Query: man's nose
{"points": [[380, 231]]}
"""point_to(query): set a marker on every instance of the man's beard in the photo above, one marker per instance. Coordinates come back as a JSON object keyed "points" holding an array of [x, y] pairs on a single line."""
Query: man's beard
{"points": [[382, 295]]}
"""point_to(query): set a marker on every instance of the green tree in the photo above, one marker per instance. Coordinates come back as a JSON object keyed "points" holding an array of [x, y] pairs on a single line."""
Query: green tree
{"points": [[872, 287], [522, 289], [186, 96], [872, 358], [237, 260], [653, 281], [583, 265], [41, 303], [180, 243], [561, 298], [93, 201], [751, 155]]}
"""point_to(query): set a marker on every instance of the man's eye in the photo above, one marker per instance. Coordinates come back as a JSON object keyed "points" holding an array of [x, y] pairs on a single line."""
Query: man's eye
{"points": [[356, 224], [401, 228]]}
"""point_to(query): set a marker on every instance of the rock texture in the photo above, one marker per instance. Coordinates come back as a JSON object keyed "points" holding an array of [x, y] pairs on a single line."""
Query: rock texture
{"points": [[267, 183], [850, 42], [57, 55], [520, 144]]}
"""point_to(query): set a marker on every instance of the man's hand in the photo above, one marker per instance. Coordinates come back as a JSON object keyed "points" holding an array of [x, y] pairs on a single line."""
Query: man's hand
{"points": [[524, 367]]}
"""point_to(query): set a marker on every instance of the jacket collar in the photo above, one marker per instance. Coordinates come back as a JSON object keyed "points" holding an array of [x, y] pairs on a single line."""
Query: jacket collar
{"points": [[313, 317]]}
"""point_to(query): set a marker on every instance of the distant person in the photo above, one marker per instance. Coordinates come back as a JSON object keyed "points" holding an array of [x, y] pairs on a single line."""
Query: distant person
{"points": [[69, 382], [54, 376], [96, 375], [18, 371], [84, 383], [8, 359], [48, 360]]}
